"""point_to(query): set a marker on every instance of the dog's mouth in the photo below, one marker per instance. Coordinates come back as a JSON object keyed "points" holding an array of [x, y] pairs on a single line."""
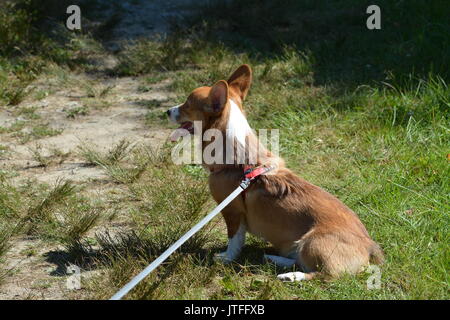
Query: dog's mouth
{"points": [[185, 128], [187, 125]]}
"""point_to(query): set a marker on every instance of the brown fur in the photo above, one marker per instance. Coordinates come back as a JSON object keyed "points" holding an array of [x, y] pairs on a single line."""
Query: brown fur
{"points": [[300, 219]]}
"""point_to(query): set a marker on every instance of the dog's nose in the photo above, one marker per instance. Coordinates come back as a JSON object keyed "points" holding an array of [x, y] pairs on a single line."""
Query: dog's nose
{"points": [[168, 112]]}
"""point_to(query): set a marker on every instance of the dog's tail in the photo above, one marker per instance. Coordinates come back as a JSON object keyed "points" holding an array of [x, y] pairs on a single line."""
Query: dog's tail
{"points": [[376, 254]]}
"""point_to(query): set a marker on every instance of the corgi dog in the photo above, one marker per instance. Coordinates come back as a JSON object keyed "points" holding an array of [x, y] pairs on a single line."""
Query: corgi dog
{"points": [[309, 227]]}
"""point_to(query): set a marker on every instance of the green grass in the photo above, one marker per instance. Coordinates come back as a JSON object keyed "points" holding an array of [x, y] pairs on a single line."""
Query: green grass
{"points": [[363, 114], [38, 131], [27, 113], [111, 157], [54, 213], [28, 49], [29, 130], [77, 111], [45, 159], [96, 91]]}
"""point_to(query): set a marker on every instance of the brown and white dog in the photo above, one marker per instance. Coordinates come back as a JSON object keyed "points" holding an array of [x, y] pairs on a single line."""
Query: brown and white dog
{"points": [[308, 226]]}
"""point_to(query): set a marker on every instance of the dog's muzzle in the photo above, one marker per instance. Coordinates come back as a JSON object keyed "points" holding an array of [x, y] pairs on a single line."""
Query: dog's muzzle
{"points": [[174, 113]]}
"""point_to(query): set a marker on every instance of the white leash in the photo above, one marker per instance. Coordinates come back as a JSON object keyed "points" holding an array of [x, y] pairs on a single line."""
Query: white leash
{"points": [[130, 285]]}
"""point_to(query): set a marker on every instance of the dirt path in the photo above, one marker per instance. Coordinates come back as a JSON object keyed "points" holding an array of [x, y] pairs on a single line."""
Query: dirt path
{"points": [[122, 118], [119, 113]]}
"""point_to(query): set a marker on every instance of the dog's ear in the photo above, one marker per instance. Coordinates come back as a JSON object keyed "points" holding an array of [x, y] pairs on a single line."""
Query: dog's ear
{"points": [[241, 80], [218, 97]]}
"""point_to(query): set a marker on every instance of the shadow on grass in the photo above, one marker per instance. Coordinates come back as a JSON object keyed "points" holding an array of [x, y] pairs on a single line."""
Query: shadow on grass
{"points": [[131, 246], [413, 39], [413, 36]]}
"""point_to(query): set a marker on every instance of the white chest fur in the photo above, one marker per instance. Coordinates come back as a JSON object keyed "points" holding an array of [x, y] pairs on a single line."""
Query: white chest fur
{"points": [[237, 127]]}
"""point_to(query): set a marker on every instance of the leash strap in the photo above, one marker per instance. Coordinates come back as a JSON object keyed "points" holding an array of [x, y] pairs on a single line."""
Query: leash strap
{"points": [[252, 174]]}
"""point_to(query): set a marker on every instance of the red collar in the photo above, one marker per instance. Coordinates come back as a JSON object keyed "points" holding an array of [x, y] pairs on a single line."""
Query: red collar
{"points": [[251, 173]]}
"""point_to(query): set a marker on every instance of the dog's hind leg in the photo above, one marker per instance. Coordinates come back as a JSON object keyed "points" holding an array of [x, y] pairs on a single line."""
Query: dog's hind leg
{"points": [[286, 263], [280, 261], [297, 276]]}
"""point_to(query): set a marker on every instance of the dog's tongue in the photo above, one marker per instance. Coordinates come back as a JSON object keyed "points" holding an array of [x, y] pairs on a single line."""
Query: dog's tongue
{"points": [[180, 132]]}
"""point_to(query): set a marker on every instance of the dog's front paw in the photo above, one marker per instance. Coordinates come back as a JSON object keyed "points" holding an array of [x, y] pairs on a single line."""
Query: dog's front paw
{"points": [[223, 257]]}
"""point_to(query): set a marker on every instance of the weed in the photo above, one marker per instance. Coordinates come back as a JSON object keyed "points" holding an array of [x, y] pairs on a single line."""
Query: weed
{"points": [[42, 211], [77, 111]]}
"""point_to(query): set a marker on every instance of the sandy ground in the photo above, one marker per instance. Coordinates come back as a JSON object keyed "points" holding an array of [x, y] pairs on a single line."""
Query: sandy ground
{"points": [[35, 267], [124, 118]]}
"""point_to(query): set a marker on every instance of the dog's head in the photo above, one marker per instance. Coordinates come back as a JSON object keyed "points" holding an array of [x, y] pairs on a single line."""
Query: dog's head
{"points": [[210, 105]]}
